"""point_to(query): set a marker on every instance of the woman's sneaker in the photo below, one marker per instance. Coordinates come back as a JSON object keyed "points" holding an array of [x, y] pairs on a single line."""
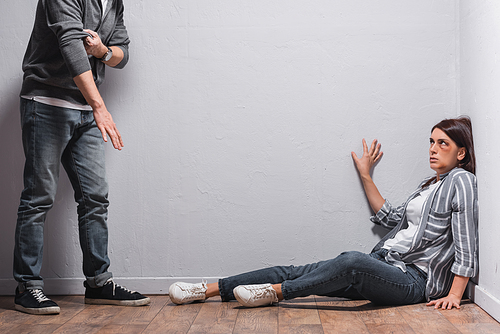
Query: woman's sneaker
{"points": [[34, 301], [113, 294], [255, 295], [181, 293]]}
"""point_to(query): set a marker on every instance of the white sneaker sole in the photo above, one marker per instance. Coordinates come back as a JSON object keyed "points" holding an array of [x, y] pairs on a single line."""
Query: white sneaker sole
{"points": [[43, 310]]}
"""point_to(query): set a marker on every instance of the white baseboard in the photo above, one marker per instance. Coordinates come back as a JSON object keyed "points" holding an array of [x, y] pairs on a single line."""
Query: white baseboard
{"points": [[74, 286], [485, 300]]}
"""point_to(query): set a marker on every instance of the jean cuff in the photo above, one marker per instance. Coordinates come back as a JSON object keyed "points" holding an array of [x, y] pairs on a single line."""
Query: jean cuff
{"points": [[30, 285], [99, 280], [224, 294], [284, 291]]}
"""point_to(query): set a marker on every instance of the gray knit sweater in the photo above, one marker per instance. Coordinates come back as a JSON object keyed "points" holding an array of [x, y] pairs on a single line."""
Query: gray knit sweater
{"points": [[56, 54]]}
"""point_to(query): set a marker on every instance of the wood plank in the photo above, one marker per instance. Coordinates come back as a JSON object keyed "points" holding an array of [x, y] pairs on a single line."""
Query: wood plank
{"points": [[301, 329], [383, 320], [216, 317], [470, 318], [32, 329], [340, 316], [469, 313], [174, 318], [139, 315], [482, 328], [134, 319], [90, 320], [257, 320], [299, 311], [426, 320]]}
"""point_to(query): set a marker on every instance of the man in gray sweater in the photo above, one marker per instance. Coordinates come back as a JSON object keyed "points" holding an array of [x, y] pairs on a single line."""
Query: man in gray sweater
{"points": [[64, 120]]}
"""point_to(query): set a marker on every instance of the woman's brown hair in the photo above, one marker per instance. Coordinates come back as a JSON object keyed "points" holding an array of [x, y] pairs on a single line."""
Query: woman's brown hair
{"points": [[460, 131]]}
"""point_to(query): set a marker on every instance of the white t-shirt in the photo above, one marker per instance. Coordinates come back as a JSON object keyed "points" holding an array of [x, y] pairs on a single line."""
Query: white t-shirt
{"points": [[403, 239]]}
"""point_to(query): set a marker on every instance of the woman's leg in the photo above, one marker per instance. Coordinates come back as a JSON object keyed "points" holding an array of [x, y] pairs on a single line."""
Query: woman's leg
{"points": [[212, 290], [351, 274], [273, 275], [372, 277]]}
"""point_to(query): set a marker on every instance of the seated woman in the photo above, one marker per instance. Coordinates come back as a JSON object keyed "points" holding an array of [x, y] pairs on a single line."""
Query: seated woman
{"points": [[429, 254]]}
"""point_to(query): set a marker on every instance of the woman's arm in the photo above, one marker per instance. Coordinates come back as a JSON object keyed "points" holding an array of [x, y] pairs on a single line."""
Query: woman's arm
{"points": [[454, 296], [464, 229], [364, 166]]}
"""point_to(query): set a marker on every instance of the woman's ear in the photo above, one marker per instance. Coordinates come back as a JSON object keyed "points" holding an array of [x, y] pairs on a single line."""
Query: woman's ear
{"points": [[461, 153]]}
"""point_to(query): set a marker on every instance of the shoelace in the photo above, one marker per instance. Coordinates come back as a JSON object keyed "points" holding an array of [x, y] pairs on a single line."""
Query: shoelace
{"points": [[117, 286], [260, 293], [39, 295], [195, 290]]}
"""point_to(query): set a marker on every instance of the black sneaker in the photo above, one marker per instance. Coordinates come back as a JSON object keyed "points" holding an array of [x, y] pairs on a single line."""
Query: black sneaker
{"points": [[114, 294], [34, 301]]}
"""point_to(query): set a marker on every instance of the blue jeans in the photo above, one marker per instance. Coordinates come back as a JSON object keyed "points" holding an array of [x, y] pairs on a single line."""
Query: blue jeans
{"points": [[54, 135], [351, 275]]}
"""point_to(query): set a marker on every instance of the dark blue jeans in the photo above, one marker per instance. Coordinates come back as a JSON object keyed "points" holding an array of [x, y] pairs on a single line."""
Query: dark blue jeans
{"points": [[54, 135], [352, 275]]}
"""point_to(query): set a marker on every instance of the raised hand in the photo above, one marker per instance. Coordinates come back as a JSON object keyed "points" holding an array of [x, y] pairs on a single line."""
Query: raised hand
{"points": [[364, 166], [369, 157]]}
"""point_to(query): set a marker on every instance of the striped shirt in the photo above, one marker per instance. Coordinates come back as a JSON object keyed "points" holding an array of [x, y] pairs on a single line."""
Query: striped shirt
{"points": [[446, 238]]}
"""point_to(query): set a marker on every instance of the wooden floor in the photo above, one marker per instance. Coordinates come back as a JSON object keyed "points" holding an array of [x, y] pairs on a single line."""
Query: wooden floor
{"points": [[303, 315]]}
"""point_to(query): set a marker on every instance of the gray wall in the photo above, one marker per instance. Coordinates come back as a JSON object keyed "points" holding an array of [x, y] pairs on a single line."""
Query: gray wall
{"points": [[238, 119], [479, 87]]}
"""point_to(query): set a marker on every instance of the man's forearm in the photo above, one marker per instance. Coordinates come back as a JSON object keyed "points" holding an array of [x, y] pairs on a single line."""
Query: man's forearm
{"points": [[117, 56], [88, 88], [102, 117]]}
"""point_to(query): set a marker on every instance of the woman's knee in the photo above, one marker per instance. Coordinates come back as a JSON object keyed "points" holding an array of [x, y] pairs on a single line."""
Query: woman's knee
{"points": [[353, 256], [353, 260]]}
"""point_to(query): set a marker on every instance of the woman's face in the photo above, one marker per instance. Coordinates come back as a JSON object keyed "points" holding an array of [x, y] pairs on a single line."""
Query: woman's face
{"points": [[444, 153]]}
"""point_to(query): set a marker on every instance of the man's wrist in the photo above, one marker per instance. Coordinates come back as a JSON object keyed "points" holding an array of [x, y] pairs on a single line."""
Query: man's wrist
{"points": [[106, 55]]}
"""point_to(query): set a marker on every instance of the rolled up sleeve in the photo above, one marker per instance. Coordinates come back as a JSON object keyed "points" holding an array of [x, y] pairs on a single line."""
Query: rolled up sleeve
{"points": [[120, 38], [64, 18], [464, 225], [388, 216]]}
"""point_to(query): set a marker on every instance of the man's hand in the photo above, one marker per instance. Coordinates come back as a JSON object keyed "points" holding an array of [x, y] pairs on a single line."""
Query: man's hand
{"points": [[93, 45], [107, 127], [102, 117]]}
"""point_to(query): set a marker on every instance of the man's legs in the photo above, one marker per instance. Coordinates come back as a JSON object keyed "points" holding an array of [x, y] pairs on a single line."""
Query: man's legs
{"points": [[84, 162], [46, 131]]}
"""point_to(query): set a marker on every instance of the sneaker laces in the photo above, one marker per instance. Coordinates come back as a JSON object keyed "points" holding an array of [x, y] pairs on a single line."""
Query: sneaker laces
{"points": [[260, 292], [118, 286], [39, 295], [195, 290]]}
